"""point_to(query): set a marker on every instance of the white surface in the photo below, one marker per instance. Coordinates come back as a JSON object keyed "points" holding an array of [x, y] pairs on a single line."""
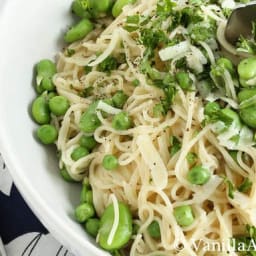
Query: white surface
{"points": [[30, 31]]}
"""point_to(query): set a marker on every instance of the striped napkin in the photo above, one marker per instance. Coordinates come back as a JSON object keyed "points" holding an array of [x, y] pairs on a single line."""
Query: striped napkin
{"points": [[21, 233]]}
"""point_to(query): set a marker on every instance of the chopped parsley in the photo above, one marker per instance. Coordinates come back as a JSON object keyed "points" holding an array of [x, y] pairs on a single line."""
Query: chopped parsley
{"points": [[107, 65], [245, 244], [69, 52], [191, 158], [245, 186], [175, 145]]}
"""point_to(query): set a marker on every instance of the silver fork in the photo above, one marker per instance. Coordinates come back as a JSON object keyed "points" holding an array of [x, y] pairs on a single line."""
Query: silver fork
{"points": [[238, 24]]}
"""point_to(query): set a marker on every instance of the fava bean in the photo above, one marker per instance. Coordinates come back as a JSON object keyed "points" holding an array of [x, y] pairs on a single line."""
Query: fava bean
{"points": [[80, 8], [97, 7], [124, 230], [46, 68], [47, 134], [232, 116], [248, 115], [226, 64], [79, 31], [118, 6], [246, 94], [40, 110], [247, 71]]}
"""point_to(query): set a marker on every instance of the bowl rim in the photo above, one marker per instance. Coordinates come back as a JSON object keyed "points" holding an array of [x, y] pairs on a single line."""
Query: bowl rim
{"points": [[34, 200]]}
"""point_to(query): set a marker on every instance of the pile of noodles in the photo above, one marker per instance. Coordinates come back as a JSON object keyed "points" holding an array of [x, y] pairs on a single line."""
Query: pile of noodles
{"points": [[150, 181]]}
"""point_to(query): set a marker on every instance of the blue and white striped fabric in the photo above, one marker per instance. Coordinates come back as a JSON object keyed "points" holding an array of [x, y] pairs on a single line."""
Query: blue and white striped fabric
{"points": [[21, 233]]}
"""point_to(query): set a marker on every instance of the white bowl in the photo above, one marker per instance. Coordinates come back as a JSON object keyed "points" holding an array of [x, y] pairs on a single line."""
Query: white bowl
{"points": [[32, 30]]}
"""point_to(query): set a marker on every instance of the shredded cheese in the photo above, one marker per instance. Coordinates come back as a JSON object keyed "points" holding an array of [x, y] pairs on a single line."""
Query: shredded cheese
{"points": [[111, 47], [172, 52], [153, 160], [116, 219], [107, 108]]}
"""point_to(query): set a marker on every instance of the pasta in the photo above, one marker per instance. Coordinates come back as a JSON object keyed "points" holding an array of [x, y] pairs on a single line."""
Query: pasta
{"points": [[149, 179]]}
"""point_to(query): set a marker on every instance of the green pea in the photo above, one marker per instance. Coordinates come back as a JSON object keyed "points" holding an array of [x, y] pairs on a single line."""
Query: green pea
{"points": [[248, 115], [88, 142], [226, 64], [110, 162], [135, 82], [198, 175], [191, 158], [124, 230], [246, 94], [65, 175], [51, 95], [211, 108], [184, 215], [40, 110], [83, 212], [78, 153], [79, 31], [47, 84], [92, 226], [47, 134], [247, 70], [80, 8], [59, 105], [89, 121], [158, 110], [184, 80], [119, 99], [118, 6], [97, 7], [46, 68], [121, 121], [135, 228], [154, 229]]}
